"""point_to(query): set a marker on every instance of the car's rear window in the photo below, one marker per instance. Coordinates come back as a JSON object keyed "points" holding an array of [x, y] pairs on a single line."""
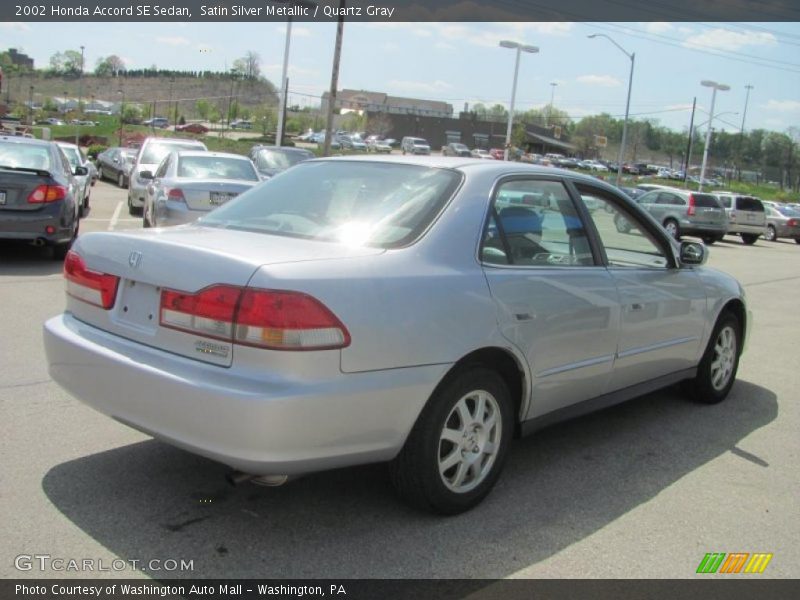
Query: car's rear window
{"points": [[24, 156], [358, 203], [216, 167], [706, 201], [750, 204]]}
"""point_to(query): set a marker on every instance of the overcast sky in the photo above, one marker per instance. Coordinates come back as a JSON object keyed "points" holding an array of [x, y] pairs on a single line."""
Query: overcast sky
{"points": [[462, 62]]}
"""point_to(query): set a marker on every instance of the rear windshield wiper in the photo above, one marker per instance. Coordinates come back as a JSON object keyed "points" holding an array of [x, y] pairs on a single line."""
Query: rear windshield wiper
{"points": [[40, 172]]}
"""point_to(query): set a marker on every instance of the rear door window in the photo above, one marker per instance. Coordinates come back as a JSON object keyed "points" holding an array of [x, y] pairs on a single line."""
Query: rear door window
{"points": [[749, 204], [705, 201]]}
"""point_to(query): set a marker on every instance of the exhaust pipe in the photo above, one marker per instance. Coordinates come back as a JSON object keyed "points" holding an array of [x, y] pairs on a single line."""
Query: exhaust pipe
{"points": [[236, 478], [38, 242]]}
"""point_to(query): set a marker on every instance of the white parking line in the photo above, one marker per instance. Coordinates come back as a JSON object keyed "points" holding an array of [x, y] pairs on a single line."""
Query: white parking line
{"points": [[115, 218]]}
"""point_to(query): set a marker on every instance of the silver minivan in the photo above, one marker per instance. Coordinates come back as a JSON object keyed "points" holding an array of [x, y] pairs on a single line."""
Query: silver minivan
{"points": [[415, 145], [682, 212], [746, 216]]}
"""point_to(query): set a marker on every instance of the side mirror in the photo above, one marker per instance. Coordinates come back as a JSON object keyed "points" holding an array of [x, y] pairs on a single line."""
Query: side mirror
{"points": [[81, 171], [693, 253], [146, 175]]}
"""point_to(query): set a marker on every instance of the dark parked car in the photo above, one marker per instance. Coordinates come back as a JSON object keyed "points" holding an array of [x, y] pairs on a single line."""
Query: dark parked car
{"points": [[271, 160], [115, 164], [192, 128], [39, 196], [455, 149]]}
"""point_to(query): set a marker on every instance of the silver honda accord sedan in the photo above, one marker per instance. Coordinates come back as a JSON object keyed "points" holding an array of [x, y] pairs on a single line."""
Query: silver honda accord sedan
{"points": [[422, 311]]}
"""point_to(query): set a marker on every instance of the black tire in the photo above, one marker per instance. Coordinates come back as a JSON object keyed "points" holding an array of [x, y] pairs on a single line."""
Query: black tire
{"points": [[416, 470], [672, 227], [622, 224], [709, 240], [703, 388], [797, 240], [771, 235], [131, 209], [749, 238]]}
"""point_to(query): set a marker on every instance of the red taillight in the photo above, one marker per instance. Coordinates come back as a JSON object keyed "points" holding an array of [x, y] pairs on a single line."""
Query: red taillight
{"points": [[690, 212], [47, 193], [176, 194], [287, 321], [209, 312], [792, 222], [273, 319], [99, 289]]}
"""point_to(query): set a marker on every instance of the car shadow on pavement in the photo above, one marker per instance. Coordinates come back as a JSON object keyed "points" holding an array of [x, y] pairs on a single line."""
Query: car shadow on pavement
{"points": [[151, 501], [23, 260]]}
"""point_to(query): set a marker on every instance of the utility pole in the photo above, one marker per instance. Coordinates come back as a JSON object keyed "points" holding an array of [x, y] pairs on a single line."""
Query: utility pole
{"points": [[337, 54], [80, 99], [748, 87], [689, 147]]}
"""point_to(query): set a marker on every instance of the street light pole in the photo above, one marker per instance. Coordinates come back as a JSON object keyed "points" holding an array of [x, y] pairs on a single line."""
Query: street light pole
{"points": [[80, 98], [284, 85], [714, 86], [632, 57], [550, 108], [748, 87], [520, 48]]}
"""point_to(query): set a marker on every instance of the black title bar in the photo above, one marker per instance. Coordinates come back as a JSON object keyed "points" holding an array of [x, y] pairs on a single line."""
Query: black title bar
{"points": [[399, 10]]}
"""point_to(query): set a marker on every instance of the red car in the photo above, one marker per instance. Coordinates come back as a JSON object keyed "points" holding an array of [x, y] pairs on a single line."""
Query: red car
{"points": [[192, 128]]}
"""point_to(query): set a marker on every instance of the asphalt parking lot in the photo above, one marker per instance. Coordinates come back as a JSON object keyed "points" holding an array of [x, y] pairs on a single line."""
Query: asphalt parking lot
{"points": [[642, 490]]}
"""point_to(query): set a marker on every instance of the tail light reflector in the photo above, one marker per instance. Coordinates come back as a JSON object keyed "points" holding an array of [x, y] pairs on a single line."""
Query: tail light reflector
{"points": [[690, 212], [93, 287], [176, 195], [47, 193], [287, 321], [275, 319], [792, 222]]}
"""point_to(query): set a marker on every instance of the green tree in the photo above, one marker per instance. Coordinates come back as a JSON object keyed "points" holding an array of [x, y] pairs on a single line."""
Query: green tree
{"points": [[202, 108]]}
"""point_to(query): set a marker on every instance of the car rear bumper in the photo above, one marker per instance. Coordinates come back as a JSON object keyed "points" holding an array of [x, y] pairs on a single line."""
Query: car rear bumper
{"points": [[742, 228], [261, 424], [703, 230], [29, 226]]}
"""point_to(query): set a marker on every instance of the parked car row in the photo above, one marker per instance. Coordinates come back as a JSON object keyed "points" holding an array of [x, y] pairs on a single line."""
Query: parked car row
{"points": [[713, 215]]}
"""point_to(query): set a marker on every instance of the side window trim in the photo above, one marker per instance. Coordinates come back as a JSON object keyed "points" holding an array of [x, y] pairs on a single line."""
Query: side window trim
{"points": [[659, 237]]}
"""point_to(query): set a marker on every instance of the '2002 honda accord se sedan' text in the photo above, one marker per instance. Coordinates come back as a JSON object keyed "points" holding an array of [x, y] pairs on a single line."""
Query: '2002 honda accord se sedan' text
{"points": [[420, 311]]}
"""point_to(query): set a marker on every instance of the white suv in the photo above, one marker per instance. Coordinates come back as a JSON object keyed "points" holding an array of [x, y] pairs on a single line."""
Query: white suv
{"points": [[746, 215], [415, 145], [150, 155]]}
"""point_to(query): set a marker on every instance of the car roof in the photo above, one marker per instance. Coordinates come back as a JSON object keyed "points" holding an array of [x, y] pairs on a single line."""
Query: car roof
{"points": [[189, 153], [167, 140], [23, 140]]}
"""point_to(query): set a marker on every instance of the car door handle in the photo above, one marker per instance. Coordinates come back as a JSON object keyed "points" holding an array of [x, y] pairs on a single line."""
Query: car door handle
{"points": [[637, 306]]}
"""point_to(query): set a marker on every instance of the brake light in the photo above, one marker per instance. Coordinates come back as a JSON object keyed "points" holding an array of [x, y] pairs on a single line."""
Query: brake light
{"points": [[176, 194], [792, 222], [275, 319], [92, 287], [209, 312], [691, 210], [47, 193]]}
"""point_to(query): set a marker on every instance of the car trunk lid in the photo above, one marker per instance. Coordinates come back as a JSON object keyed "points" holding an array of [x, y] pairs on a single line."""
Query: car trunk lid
{"points": [[184, 259]]}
